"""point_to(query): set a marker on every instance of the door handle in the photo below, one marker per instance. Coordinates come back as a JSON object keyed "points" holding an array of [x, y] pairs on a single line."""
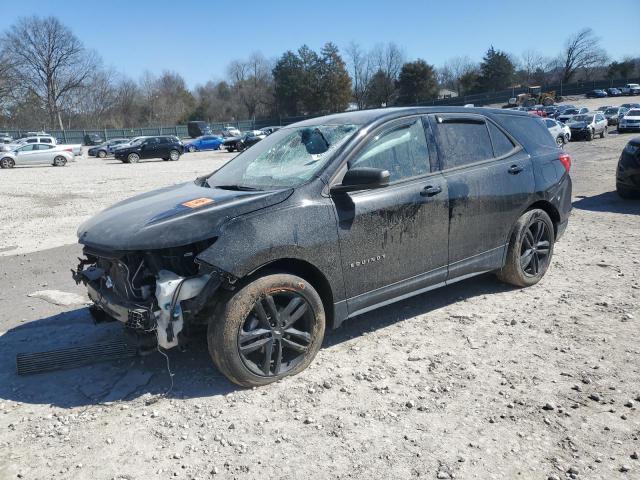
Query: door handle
{"points": [[515, 169], [430, 190]]}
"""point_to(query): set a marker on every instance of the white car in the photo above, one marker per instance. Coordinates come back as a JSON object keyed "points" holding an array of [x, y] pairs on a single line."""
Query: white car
{"points": [[567, 114], [76, 149], [560, 131], [36, 154], [630, 121]]}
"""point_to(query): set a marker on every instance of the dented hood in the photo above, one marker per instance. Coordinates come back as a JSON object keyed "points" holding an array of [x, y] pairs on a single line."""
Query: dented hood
{"points": [[171, 217]]}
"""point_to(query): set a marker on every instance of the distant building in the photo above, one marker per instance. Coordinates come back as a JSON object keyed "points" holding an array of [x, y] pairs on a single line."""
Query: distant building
{"points": [[446, 93]]}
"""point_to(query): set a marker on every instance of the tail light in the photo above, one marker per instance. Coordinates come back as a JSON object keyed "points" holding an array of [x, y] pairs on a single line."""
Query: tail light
{"points": [[565, 160]]}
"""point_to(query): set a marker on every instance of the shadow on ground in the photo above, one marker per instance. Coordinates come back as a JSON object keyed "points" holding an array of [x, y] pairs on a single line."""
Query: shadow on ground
{"points": [[608, 202], [194, 375]]}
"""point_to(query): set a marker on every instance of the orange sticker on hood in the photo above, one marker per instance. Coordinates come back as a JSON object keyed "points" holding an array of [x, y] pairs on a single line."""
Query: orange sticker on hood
{"points": [[198, 202]]}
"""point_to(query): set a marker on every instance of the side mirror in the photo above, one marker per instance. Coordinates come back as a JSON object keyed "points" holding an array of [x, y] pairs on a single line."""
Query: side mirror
{"points": [[364, 178]]}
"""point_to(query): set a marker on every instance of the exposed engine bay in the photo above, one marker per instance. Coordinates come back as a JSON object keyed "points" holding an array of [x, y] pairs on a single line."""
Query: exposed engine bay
{"points": [[157, 291]]}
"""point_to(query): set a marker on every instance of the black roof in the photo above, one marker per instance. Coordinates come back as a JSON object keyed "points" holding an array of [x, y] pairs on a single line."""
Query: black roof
{"points": [[364, 117]]}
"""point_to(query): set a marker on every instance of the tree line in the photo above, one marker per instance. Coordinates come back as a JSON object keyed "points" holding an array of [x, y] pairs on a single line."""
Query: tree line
{"points": [[50, 80]]}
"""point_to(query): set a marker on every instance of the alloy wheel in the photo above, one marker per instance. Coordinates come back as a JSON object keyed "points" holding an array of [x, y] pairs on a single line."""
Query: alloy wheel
{"points": [[174, 155], [534, 250], [276, 334]]}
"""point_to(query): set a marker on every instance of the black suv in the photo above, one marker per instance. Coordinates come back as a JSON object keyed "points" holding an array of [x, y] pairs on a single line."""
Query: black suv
{"points": [[164, 147], [324, 220]]}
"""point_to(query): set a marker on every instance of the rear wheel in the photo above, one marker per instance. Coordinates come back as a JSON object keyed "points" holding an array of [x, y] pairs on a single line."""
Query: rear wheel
{"points": [[560, 141], [269, 329], [7, 162], [133, 158], [102, 154], [229, 149], [530, 249], [59, 161]]}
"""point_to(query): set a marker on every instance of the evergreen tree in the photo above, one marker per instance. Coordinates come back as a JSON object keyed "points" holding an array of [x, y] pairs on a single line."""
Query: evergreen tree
{"points": [[288, 76], [496, 71], [417, 83], [336, 82]]}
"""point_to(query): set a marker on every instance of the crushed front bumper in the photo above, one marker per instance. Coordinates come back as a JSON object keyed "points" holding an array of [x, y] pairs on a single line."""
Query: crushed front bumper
{"points": [[136, 316]]}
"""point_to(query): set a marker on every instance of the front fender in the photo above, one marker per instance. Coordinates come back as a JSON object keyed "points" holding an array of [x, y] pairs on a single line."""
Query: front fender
{"points": [[306, 231]]}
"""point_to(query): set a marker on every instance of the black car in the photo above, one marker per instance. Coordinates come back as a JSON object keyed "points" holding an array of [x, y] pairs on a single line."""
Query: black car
{"points": [[598, 93], [324, 220], [106, 148], [249, 139], [93, 139], [628, 171], [198, 128], [614, 92], [164, 147]]}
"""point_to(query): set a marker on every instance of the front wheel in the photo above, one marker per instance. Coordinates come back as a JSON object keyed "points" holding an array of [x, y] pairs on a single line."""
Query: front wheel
{"points": [[604, 133], [271, 328], [530, 249], [174, 155], [133, 158], [192, 149], [7, 163], [102, 154], [59, 161], [229, 149], [589, 135]]}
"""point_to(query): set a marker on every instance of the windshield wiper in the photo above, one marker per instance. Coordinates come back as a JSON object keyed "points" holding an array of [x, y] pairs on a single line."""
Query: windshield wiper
{"points": [[242, 188]]}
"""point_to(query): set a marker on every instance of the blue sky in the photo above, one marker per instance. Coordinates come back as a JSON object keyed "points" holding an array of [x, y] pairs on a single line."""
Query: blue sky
{"points": [[199, 38]]}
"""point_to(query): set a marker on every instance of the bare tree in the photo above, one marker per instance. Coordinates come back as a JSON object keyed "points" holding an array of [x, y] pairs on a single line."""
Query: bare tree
{"points": [[582, 51], [454, 69], [49, 60], [360, 66], [253, 83]]}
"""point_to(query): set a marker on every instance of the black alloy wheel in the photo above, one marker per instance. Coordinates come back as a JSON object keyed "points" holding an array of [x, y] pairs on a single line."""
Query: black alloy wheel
{"points": [[277, 333], [534, 250]]}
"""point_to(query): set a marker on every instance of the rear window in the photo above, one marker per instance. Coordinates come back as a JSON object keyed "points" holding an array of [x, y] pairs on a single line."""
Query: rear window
{"points": [[528, 131]]}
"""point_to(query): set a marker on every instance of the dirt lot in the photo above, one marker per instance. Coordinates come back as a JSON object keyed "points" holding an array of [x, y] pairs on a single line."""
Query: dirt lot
{"points": [[477, 380]]}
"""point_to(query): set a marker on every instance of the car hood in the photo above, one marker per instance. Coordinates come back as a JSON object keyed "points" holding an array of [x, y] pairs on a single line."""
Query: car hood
{"points": [[171, 217]]}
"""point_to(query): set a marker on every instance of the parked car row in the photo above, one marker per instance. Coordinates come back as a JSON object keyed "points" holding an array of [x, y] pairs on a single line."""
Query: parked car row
{"points": [[628, 89]]}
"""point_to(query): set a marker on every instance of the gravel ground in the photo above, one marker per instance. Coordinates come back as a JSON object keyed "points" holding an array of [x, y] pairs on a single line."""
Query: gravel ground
{"points": [[476, 380]]}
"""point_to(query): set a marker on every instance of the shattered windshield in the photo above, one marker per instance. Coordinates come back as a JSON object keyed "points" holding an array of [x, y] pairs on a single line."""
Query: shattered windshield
{"points": [[286, 158]]}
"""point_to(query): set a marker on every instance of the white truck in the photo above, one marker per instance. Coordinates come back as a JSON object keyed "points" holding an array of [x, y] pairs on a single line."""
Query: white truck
{"points": [[631, 89], [76, 149]]}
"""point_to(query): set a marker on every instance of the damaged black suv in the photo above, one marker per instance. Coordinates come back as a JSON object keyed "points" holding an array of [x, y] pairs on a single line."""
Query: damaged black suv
{"points": [[324, 220]]}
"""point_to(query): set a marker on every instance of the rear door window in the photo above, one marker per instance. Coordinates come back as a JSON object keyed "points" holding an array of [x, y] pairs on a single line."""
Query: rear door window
{"points": [[462, 140]]}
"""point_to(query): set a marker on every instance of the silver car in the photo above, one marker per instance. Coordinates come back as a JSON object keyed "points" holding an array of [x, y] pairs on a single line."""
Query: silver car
{"points": [[36, 154]]}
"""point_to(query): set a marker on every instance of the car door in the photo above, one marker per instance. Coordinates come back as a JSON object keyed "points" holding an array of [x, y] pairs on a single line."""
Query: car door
{"points": [[393, 240], [489, 181], [27, 154], [601, 122], [43, 153], [150, 148]]}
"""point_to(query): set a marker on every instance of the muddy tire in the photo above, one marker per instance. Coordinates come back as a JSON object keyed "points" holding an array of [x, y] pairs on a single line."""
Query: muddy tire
{"points": [[530, 249], [7, 162], [270, 328]]}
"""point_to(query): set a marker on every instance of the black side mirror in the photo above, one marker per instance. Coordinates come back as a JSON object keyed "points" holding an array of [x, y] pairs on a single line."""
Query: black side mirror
{"points": [[364, 178]]}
